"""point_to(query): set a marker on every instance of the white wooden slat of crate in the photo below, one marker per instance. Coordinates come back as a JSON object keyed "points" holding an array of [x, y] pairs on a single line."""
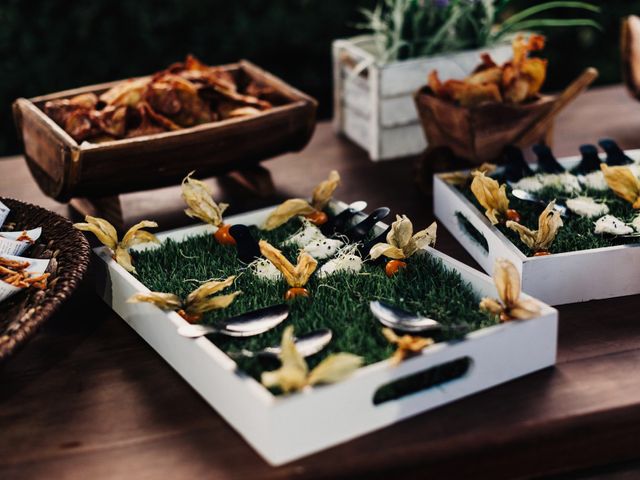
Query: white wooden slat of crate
{"points": [[383, 95], [285, 428], [556, 279]]}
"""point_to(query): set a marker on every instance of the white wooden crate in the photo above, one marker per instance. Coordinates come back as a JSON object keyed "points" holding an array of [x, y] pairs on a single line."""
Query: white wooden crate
{"points": [[284, 428], [556, 279], [376, 109]]}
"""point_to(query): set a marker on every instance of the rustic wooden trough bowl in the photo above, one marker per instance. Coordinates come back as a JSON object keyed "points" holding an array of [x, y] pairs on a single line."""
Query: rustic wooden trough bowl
{"points": [[479, 134], [68, 249], [65, 169]]}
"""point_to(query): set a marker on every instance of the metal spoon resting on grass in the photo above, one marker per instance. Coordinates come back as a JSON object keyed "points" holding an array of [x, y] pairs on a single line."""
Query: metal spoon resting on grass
{"points": [[245, 325], [307, 344], [531, 198], [408, 322]]}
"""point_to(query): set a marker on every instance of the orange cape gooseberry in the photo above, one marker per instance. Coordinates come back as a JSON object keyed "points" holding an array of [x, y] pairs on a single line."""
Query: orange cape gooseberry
{"points": [[318, 217], [295, 292], [223, 236], [393, 266]]}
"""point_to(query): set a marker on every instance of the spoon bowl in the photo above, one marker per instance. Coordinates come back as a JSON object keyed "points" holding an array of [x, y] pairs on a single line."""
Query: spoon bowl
{"points": [[245, 325], [530, 197], [307, 344], [401, 320]]}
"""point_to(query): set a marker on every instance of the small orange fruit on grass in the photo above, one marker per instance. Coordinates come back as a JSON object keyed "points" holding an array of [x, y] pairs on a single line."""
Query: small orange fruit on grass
{"points": [[393, 266], [295, 292], [222, 235], [513, 215], [318, 217]]}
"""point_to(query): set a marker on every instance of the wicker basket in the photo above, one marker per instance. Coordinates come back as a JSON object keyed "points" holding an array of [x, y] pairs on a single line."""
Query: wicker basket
{"points": [[68, 249]]}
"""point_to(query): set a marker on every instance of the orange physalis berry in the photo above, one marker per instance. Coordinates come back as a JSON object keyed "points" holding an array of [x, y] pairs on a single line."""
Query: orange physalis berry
{"points": [[541, 253], [223, 236], [393, 266], [295, 292], [318, 217], [513, 215], [191, 318]]}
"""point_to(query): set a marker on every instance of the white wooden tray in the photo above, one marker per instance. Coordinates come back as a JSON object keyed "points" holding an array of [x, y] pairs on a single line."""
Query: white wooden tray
{"points": [[556, 279], [284, 428]]}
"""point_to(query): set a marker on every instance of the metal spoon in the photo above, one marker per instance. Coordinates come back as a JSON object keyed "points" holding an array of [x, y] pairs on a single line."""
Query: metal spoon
{"points": [[245, 325], [398, 319], [307, 345], [358, 232], [530, 197], [339, 222]]}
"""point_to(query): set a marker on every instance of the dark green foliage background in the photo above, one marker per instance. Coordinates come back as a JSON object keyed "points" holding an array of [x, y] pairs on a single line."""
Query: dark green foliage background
{"points": [[48, 45]]}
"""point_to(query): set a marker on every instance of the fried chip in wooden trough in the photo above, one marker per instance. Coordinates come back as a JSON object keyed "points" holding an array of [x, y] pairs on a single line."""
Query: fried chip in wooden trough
{"points": [[185, 94]]}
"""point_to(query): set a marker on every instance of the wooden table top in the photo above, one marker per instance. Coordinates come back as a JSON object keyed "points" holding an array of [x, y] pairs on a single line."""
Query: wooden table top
{"points": [[88, 398]]}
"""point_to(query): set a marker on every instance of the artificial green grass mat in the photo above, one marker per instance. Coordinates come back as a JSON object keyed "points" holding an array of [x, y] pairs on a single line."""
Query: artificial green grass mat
{"points": [[577, 232], [339, 302]]}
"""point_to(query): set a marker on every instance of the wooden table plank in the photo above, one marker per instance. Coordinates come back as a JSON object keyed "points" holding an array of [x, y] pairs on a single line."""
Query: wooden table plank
{"points": [[87, 398]]}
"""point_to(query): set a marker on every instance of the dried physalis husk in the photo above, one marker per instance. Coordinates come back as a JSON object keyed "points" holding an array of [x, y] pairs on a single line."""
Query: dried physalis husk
{"points": [[491, 195], [407, 345], [164, 301], [294, 375], [134, 236], [402, 242], [197, 196], [106, 233], [103, 230], [461, 178], [510, 306], [197, 302], [549, 223], [286, 211], [297, 206], [296, 276], [324, 191], [623, 183], [201, 299]]}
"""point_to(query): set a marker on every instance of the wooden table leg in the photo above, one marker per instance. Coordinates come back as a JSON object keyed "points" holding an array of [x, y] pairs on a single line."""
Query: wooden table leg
{"points": [[256, 179]]}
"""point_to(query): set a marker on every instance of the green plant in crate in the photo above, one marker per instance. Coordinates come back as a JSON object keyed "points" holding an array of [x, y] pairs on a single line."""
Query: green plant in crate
{"points": [[402, 29]]}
